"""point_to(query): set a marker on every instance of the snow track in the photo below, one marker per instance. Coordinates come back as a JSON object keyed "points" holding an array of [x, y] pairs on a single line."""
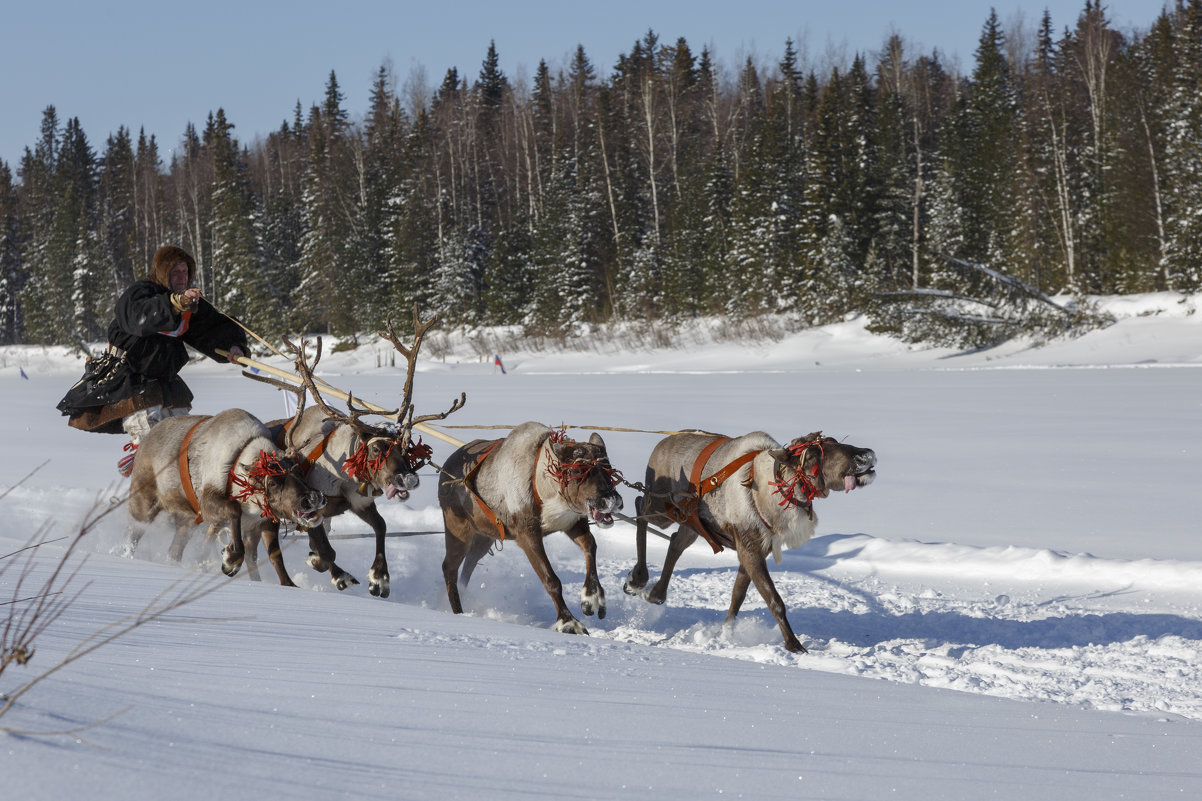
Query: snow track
{"points": [[1008, 622], [1016, 623]]}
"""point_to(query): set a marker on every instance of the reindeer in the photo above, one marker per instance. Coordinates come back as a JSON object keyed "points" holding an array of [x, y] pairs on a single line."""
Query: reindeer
{"points": [[522, 488], [746, 493], [223, 469], [350, 462]]}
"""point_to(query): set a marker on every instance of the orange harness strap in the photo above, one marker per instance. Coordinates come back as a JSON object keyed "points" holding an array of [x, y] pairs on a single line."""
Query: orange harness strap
{"points": [[538, 501], [704, 486], [185, 475], [314, 455], [469, 483]]}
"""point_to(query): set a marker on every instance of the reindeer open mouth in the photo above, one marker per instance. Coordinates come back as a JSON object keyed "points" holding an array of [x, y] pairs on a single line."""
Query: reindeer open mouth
{"points": [[599, 509], [863, 471], [400, 485], [310, 512], [309, 519]]}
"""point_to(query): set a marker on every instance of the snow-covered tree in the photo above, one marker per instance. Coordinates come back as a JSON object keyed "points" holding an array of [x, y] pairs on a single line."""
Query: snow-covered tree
{"points": [[1183, 153]]}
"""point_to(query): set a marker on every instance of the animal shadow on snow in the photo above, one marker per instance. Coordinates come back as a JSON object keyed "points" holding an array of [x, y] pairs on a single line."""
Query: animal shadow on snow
{"points": [[805, 590]]}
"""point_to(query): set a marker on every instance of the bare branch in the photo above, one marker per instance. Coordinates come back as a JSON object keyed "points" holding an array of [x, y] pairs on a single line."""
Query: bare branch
{"points": [[32, 612]]}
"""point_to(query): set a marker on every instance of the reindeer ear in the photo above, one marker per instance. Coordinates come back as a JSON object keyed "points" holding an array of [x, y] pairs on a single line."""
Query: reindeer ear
{"points": [[808, 439], [782, 455], [595, 439], [562, 450]]}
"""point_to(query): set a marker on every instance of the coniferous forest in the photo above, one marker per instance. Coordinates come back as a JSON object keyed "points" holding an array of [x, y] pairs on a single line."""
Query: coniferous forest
{"points": [[947, 208]]}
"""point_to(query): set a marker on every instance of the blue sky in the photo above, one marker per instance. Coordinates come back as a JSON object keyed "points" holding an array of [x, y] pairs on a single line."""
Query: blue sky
{"points": [[159, 66]]}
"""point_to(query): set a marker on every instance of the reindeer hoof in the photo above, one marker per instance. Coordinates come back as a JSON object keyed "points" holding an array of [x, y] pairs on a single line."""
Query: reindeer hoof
{"points": [[378, 585], [317, 563], [593, 604], [633, 588], [231, 561], [652, 597], [572, 626], [345, 580]]}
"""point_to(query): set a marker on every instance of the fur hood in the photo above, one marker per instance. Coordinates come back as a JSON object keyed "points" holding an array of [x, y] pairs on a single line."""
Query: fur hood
{"points": [[167, 257]]}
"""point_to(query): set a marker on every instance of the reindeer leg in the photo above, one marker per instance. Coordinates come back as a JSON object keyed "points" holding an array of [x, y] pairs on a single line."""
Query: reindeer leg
{"points": [[377, 577], [183, 532], [270, 534], [638, 574], [592, 596], [738, 594], [321, 553], [536, 552], [321, 559], [757, 569], [682, 539], [233, 554], [456, 550], [250, 541], [476, 550], [143, 509]]}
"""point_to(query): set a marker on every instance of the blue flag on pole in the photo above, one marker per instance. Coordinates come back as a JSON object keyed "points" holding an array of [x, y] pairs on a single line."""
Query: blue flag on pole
{"points": [[497, 361], [22, 369]]}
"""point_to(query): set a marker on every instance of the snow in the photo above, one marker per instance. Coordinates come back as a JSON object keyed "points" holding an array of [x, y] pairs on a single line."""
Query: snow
{"points": [[1013, 609]]}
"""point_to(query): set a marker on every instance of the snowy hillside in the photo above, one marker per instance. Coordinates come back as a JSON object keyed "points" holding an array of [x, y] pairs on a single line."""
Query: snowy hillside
{"points": [[1023, 581]]}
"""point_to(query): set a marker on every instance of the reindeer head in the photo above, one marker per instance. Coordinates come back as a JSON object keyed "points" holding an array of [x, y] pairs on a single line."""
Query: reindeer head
{"points": [[586, 479], [275, 483], [387, 460], [809, 466]]}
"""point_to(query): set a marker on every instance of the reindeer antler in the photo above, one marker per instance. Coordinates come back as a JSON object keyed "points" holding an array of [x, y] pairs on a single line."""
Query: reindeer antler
{"points": [[299, 391], [405, 416], [353, 416]]}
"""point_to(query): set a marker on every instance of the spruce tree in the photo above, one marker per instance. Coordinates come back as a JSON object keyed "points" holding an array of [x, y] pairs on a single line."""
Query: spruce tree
{"points": [[240, 285], [58, 298], [378, 272], [150, 204], [415, 217], [1183, 153], [895, 170], [328, 288], [985, 154], [11, 273], [117, 218]]}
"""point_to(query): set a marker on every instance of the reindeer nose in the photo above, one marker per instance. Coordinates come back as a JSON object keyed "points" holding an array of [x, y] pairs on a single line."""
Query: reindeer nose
{"points": [[865, 460], [316, 501], [411, 481], [610, 502]]}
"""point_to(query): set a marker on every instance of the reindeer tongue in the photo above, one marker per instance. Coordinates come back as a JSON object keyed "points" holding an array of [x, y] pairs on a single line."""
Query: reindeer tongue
{"points": [[849, 483], [389, 491]]}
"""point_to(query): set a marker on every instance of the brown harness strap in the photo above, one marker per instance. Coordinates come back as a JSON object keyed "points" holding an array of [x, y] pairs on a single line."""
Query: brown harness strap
{"points": [[704, 486], [281, 436], [314, 455], [185, 475], [469, 485], [538, 502], [712, 483]]}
